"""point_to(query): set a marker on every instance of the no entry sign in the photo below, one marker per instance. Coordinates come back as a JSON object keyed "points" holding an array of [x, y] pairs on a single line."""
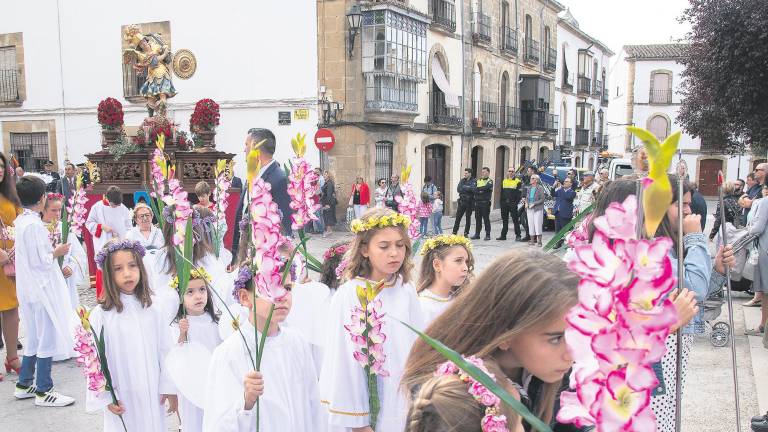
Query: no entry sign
{"points": [[324, 139]]}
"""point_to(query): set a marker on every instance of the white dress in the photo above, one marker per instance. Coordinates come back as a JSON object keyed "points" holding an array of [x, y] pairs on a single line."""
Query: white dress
{"points": [[432, 305], [154, 241], [203, 330], [77, 261], [343, 383], [290, 402], [136, 341], [309, 315], [117, 218], [44, 299]]}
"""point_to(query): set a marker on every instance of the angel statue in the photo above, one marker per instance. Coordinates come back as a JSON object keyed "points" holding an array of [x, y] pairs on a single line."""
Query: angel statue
{"points": [[150, 56]]}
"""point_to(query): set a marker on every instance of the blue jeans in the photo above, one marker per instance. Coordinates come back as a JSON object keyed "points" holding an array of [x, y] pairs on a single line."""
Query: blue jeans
{"points": [[43, 379], [319, 224], [423, 224], [437, 223]]}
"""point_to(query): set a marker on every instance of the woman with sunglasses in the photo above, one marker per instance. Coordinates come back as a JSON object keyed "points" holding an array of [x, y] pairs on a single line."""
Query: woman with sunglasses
{"points": [[145, 232]]}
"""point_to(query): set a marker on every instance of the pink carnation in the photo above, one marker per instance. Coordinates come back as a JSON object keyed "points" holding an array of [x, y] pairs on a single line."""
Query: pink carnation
{"points": [[493, 423]]}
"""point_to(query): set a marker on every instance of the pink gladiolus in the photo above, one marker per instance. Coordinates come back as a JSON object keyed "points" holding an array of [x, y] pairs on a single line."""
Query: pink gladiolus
{"points": [[88, 359], [619, 220], [602, 261], [76, 211], [407, 205], [265, 240], [365, 330], [580, 235], [182, 212], [303, 186], [158, 177]]}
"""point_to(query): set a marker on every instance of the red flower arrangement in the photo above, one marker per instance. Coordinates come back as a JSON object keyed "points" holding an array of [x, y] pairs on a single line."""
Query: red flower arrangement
{"points": [[110, 113], [205, 117], [155, 129]]}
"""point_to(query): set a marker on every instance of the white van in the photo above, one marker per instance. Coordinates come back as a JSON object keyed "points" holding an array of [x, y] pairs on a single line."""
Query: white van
{"points": [[619, 168]]}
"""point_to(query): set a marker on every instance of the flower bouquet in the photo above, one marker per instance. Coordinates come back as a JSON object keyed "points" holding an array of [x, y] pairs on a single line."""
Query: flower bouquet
{"points": [[205, 117], [303, 186], [110, 114], [223, 182], [408, 203]]}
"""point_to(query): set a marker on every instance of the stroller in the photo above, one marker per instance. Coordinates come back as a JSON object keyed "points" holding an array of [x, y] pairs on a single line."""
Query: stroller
{"points": [[719, 332]]}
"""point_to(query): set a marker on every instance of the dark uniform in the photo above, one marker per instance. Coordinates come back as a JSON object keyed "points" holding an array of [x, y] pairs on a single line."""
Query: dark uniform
{"points": [[483, 192], [511, 192], [466, 190]]}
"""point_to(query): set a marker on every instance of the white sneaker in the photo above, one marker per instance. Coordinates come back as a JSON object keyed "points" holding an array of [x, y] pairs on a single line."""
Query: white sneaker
{"points": [[21, 392], [52, 398]]}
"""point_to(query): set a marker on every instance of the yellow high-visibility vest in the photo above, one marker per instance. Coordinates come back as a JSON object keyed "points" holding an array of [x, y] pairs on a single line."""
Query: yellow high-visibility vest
{"points": [[512, 183]]}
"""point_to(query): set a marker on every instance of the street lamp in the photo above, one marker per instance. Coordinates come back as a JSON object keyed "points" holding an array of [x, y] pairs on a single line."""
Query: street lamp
{"points": [[353, 19]]}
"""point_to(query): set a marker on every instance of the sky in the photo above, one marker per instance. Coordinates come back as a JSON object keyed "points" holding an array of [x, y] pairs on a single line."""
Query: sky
{"points": [[629, 22]]}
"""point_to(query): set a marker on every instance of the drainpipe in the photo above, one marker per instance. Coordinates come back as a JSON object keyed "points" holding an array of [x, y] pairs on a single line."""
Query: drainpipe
{"points": [[464, 80], [518, 80]]}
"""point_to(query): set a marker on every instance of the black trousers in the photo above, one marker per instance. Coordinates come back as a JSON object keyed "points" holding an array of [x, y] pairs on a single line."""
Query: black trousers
{"points": [[508, 211], [522, 216], [483, 215], [561, 222], [465, 209]]}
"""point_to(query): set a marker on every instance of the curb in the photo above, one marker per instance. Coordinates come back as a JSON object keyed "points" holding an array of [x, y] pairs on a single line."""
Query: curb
{"points": [[759, 356]]}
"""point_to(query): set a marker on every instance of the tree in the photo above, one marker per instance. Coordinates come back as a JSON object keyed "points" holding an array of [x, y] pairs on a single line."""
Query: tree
{"points": [[725, 81]]}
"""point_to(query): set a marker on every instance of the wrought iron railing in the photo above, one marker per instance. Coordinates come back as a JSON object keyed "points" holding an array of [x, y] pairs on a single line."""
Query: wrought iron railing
{"points": [[584, 84], [442, 114], [9, 85], [582, 137], [485, 115], [566, 138], [531, 51], [444, 14], [481, 28], [597, 90], [510, 118], [660, 96], [509, 40], [551, 63]]}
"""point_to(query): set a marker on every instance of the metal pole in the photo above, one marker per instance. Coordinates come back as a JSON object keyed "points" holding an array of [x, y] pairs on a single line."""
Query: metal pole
{"points": [[680, 280], [723, 232]]}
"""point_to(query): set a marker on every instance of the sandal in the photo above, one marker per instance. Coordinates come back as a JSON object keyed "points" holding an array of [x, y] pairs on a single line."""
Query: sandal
{"points": [[9, 363], [755, 332], [753, 303]]}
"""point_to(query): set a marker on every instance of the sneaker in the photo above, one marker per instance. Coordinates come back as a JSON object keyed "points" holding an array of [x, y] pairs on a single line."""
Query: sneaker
{"points": [[24, 392], [760, 418], [52, 398]]}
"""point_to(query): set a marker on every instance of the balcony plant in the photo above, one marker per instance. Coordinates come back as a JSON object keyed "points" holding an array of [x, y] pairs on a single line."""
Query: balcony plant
{"points": [[203, 123]]}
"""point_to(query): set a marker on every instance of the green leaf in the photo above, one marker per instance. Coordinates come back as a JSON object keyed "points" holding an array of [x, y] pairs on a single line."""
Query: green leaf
{"points": [[416, 247], [568, 228], [154, 204], [483, 379]]}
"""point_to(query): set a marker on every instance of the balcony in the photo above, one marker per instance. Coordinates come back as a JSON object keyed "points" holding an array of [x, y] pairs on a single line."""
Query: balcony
{"points": [[510, 118], [481, 29], [531, 51], [660, 96], [565, 137], [508, 40], [568, 80], [538, 120], [9, 85], [582, 137], [584, 85], [551, 60], [601, 140], [444, 15], [441, 114], [485, 115], [598, 89], [605, 96]]}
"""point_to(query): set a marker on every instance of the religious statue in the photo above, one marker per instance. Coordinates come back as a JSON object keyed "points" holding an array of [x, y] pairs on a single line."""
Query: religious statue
{"points": [[150, 56]]}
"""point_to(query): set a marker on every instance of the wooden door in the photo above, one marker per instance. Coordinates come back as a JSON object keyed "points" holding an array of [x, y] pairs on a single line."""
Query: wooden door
{"points": [[435, 166], [502, 162], [708, 169]]}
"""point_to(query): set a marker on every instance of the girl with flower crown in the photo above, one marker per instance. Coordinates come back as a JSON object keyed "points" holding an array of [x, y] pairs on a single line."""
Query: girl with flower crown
{"points": [[513, 321], [380, 252], [446, 268], [136, 339], [197, 321]]}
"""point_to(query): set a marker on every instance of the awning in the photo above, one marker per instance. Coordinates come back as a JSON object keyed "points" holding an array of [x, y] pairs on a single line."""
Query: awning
{"points": [[451, 98]]}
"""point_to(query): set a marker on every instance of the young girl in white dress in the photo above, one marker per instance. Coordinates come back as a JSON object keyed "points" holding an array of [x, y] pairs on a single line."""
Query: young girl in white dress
{"points": [[136, 339], [380, 251], [287, 393], [445, 270], [200, 324]]}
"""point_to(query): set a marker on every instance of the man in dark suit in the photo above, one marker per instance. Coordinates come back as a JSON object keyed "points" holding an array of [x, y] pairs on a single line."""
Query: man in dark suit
{"points": [[563, 209], [48, 170], [271, 172], [66, 185]]}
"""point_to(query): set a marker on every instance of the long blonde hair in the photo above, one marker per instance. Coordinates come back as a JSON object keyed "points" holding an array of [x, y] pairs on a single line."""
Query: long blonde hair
{"points": [[518, 292], [360, 265], [427, 274], [443, 404]]}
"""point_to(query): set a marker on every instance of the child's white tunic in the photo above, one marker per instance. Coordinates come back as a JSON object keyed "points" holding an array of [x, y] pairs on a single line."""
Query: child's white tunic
{"points": [[77, 261], [432, 305], [204, 331], [290, 402], [309, 315], [44, 299], [343, 383], [101, 214], [136, 341]]}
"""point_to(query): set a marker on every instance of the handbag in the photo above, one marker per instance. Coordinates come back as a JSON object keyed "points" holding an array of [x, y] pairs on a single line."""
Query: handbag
{"points": [[749, 267], [9, 268]]}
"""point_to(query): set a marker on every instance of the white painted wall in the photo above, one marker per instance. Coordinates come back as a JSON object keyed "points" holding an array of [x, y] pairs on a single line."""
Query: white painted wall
{"points": [[254, 59]]}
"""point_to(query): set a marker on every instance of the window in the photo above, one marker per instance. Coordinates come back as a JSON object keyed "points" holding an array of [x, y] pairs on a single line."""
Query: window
{"points": [[661, 87], [9, 83], [659, 126], [528, 27], [584, 62], [383, 160], [31, 149], [583, 111], [394, 59]]}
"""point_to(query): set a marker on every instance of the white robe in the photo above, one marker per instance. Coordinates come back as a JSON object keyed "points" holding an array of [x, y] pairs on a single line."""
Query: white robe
{"points": [[155, 240], [117, 218], [136, 341], [309, 315], [432, 305], [202, 330], [77, 261], [343, 383], [290, 402], [44, 300]]}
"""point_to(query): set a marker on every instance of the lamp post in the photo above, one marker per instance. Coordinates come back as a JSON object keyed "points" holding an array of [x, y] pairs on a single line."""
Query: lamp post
{"points": [[353, 20]]}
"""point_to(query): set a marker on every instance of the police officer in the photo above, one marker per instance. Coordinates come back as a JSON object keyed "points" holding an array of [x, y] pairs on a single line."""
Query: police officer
{"points": [[511, 192], [466, 190], [483, 192]]}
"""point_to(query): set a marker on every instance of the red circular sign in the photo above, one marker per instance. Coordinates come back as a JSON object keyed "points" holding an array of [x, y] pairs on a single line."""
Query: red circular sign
{"points": [[324, 139]]}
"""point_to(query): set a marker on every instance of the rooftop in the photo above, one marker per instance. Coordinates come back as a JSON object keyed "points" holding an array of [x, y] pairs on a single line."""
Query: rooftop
{"points": [[655, 51]]}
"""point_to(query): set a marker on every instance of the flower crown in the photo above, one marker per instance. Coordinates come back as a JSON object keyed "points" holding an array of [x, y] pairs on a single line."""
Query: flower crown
{"points": [[336, 251], [390, 220], [55, 196], [115, 246], [244, 275], [445, 240], [493, 420], [196, 273]]}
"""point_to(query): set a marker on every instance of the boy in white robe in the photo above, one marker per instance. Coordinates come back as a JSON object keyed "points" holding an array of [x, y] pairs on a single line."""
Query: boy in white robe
{"points": [[44, 300], [108, 219], [288, 393]]}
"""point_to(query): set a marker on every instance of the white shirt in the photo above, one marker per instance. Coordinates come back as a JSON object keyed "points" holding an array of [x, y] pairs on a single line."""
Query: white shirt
{"points": [[432, 305]]}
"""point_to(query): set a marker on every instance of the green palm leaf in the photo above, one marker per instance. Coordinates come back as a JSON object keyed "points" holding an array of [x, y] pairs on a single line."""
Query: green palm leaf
{"points": [[568, 228]]}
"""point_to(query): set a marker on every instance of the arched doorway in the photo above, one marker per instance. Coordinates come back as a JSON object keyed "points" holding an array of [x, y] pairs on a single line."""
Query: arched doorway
{"points": [[525, 155], [434, 165], [543, 155], [502, 163], [707, 178], [477, 160], [577, 162]]}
